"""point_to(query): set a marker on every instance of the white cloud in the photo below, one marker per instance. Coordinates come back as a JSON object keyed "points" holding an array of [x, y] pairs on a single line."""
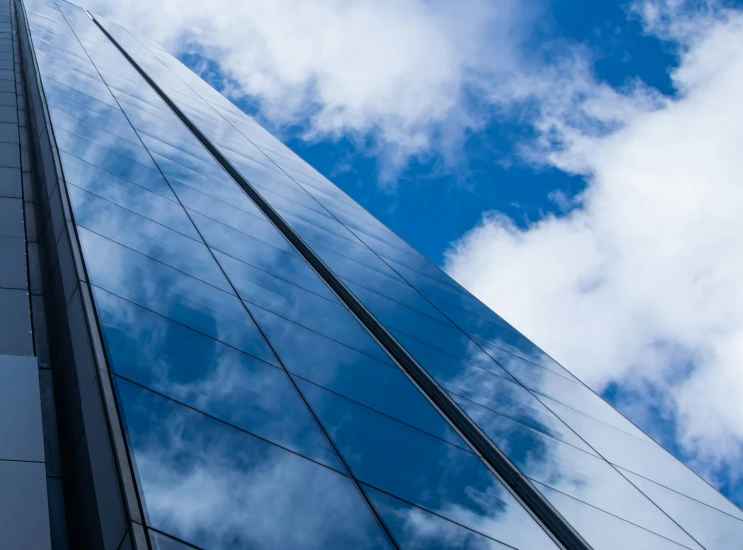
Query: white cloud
{"points": [[643, 282], [412, 75]]}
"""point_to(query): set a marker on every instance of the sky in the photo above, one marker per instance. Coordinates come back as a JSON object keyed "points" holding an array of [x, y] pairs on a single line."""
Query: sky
{"points": [[576, 164]]}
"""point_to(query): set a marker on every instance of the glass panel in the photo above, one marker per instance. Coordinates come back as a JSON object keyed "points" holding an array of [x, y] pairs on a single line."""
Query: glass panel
{"points": [[147, 237], [82, 170], [578, 474], [423, 470], [138, 201], [713, 529], [171, 293], [209, 376], [647, 460], [315, 313], [218, 487], [415, 529], [604, 531]]}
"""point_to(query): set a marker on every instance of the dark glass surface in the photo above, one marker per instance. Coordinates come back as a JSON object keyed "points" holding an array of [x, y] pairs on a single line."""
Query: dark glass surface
{"points": [[146, 237], [647, 460], [577, 474], [207, 375], [172, 294], [132, 197], [218, 487], [713, 529], [423, 470], [416, 529], [604, 531]]}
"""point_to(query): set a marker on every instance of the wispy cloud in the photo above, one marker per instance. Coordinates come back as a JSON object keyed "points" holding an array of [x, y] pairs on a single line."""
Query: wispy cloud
{"points": [[642, 283], [403, 78]]}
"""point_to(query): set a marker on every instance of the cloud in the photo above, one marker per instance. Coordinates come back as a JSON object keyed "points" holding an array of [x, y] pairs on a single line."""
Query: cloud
{"points": [[642, 282], [403, 78]]}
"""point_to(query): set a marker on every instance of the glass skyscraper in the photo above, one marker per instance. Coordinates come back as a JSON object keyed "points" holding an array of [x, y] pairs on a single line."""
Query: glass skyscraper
{"points": [[206, 344]]}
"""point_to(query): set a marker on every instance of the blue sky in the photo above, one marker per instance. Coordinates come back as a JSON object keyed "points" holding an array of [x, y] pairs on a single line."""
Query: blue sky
{"points": [[574, 163]]}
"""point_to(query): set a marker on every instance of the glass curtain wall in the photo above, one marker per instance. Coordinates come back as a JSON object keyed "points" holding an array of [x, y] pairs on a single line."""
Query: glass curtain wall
{"points": [[600, 471], [259, 412]]}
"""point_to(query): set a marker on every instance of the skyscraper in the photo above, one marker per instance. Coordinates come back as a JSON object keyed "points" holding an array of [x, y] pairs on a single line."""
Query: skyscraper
{"points": [[207, 344]]}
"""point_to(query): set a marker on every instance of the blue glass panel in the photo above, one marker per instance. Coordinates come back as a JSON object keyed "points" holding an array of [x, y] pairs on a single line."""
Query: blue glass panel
{"points": [[328, 245], [604, 531], [415, 529], [511, 343], [302, 350], [209, 376], [171, 293], [148, 179], [315, 313], [428, 355], [134, 198], [382, 388], [218, 487], [146, 237], [81, 121], [259, 286], [423, 470], [713, 529], [646, 459], [390, 288], [283, 262], [501, 396], [212, 206], [343, 370], [572, 394], [580, 475], [103, 147], [526, 434], [247, 224]]}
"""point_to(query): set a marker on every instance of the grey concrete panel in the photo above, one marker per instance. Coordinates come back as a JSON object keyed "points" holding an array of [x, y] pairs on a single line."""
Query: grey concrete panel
{"points": [[15, 323], [10, 155], [11, 218], [24, 516], [21, 436], [10, 182], [13, 263], [8, 131], [8, 114], [7, 99]]}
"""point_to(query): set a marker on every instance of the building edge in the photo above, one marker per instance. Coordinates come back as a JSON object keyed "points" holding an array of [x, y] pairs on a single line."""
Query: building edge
{"points": [[102, 504]]}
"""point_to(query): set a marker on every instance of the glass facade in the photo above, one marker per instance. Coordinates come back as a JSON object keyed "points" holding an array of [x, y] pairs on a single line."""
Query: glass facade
{"points": [[246, 321]]}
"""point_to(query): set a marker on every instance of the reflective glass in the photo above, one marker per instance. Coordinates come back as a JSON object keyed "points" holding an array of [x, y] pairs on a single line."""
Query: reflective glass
{"points": [[83, 170], [642, 458], [416, 529], [313, 312], [218, 487], [423, 470], [207, 375], [171, 293], [146, 237], [580, 475], [713, 529], [133, 198], [604, 531]]}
